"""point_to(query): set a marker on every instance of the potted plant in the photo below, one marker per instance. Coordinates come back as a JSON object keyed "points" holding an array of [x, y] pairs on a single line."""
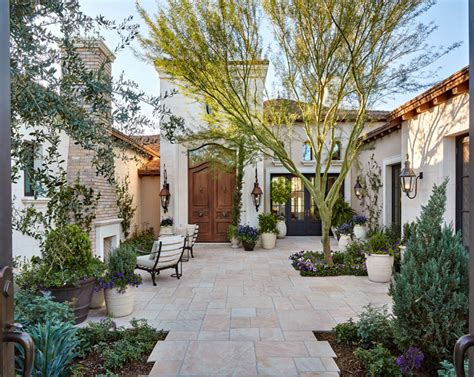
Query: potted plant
{"points": [[119, 281], [280, 193], [268, 230], [360, 227], [380, 258], [166, 226], [345, 235], [66, 268], [98, 298], [248, 235], [341, 214], [232, 236], [408, 231]]}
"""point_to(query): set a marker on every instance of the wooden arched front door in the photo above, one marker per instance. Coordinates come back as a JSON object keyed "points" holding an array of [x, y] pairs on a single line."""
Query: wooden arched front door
{"points": [[210, 201]]}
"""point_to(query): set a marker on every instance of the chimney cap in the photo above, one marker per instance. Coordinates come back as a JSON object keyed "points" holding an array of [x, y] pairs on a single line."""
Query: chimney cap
{"points": [[93, 44]]}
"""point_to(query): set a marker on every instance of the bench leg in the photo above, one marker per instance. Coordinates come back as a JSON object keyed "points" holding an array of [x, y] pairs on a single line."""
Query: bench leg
{"points": [[177, 272], [153, 278], [192, 254]]}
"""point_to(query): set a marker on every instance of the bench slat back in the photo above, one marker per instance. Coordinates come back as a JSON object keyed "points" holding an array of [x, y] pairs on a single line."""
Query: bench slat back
{"points": [[171, 248]]}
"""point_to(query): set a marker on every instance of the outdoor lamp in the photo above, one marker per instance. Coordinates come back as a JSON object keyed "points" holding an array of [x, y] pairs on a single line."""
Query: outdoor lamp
{"points": [[165, 192], [409, 179], [256, 192], [358, 189]]}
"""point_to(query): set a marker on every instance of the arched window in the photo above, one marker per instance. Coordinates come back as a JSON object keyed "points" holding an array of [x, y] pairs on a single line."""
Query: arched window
{"points": [[337, 153], [307, 152]]}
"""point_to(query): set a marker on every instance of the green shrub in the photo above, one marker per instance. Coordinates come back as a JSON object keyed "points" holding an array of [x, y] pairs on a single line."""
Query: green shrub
{"points": [[267, 223], [281, 190], [430, 294], [447, 369], [378, 361], [342, 213], [375, 327], [141, 240], [311, 263], [56, 346], [231, 232], [347, 333]]}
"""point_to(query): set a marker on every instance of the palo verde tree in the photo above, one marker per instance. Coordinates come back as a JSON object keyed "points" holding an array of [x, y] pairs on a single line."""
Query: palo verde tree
{"points": [[55, 96], [335, 59]]}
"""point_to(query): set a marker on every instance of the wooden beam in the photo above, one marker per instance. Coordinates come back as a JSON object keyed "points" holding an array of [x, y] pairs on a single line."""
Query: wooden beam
{"points": [[409, 115], [442, 98], [460, 89], [423, 107]]}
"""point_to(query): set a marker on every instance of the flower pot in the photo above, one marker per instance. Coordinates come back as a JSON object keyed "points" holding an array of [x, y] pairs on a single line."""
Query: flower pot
{"points": [[334, 232], [360, 232], [379, 267], [402, 251], [80, 296], [166, 230], [235, 243], [281, 226], [120, 304], [248, 246], [344, 240], [98, 299], [269, 240]]}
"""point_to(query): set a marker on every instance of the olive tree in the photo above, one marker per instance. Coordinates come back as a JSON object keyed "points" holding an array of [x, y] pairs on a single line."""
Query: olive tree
{"points": [[335, 59]]}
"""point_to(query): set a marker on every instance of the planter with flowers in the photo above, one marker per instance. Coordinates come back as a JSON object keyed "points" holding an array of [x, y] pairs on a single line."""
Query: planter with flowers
{"points": [[380, 258], [360, 226], [345, 235], [280, 193], [166, 227], [232, 236], [268, 229], [248, 235], [119, 281]]}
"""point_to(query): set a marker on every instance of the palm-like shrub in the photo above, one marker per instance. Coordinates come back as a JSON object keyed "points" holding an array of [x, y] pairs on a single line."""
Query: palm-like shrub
{"points": [[430, 294]]}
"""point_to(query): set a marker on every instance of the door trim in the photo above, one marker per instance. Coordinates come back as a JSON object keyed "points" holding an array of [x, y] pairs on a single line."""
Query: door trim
{"points": [[387, 188]]}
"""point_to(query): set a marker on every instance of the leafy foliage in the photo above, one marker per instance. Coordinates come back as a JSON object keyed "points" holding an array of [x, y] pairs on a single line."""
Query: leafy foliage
{"points": [[280, 190], [430, 294], [347, 333], [342, 213], [375, 327], [371, 182], [141, 240], [311, 263], [247, 233], [447, 369], [126, 209], [379, 243], [267, 223], [378, 361]]}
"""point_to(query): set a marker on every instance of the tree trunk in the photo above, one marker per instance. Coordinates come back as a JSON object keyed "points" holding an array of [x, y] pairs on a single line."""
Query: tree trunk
{"points": [[326, 241]]}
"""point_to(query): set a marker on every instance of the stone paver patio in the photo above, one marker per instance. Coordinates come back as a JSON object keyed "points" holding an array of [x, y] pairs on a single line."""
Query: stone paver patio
{"points": [[237, 313]]}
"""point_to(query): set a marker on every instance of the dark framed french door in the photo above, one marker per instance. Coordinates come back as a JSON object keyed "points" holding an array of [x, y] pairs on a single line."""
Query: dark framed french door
{"points": [[396, 196], [301, 214], [462, 187]]}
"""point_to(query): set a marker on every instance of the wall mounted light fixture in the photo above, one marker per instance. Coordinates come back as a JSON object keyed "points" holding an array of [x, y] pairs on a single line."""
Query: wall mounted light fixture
{"points": [[358, 189], [257, 192], [409, 179], [165, 192]]}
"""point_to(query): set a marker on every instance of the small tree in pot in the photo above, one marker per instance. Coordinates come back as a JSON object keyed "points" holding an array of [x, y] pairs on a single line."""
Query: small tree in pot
{"points": [[119, 280], [380, 257], [248, 235], [281, 192], [268, 229], [345, 235]]}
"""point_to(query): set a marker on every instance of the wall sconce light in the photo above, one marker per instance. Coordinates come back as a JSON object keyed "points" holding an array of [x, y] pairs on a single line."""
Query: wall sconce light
{"points": [[165, 192], [358, 189], [256, 192], [409, 179]]}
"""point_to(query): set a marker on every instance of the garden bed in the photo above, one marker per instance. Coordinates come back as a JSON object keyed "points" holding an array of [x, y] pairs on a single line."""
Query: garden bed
{"points": [[348, 364]]}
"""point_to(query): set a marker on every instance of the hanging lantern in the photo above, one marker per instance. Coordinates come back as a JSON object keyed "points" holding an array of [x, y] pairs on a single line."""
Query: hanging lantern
{"points": [[358, 189], [409, 179], [165, 192], [257, 192]]}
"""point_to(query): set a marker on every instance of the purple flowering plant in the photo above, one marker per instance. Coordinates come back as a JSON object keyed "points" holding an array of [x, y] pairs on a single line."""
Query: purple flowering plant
{"points": [[119, 281], [247, 233], [345, 229], [359, 219], [410, 360]]}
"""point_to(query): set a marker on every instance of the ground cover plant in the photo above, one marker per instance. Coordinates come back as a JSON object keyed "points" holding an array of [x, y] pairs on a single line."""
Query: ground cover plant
{"points": [[141, 240]]}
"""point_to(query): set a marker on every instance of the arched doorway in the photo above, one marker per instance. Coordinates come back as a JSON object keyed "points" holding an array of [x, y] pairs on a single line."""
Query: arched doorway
{"points": [[211, 188]]}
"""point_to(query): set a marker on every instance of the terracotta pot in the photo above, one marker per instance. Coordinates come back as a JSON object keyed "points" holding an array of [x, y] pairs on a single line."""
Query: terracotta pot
{"points": [[360, 232], [281, 226], [344, 240], [269, 240], [120, 304], [379, 267], [98, 299], [80, 296], [248, 246]]}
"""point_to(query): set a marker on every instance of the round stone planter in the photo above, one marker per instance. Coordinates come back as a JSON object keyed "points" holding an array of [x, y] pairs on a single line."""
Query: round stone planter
{"points": [[80, 296], [166, 230], [379, 267], [234, 243], [344, 240], [98, 299], [281, 226], [120, 304], [269, 240], [360, 232]]}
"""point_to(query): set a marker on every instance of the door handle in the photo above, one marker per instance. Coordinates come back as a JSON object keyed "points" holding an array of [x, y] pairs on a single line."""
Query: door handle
{"points": [[200, 214], [460, 349], [24, 340]]}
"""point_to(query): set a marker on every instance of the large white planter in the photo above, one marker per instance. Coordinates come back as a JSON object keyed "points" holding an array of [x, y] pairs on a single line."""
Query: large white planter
{"points": [[269, 240], [379, 267], [120, 304], [234, 242], [344, 240], [360, 232], [281, 226], [98, 299], [166, 230]]}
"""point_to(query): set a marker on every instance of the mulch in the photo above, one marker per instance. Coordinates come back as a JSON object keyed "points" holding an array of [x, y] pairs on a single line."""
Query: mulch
{"points": [[346, 361], [92, 365]]}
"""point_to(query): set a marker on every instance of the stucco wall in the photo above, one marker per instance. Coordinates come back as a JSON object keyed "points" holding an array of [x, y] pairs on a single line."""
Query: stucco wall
{"points": [[150, 205]]}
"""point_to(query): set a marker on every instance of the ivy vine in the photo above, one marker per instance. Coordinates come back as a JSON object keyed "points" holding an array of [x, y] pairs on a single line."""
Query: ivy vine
{"points": [[371, 182], [126, 209]]}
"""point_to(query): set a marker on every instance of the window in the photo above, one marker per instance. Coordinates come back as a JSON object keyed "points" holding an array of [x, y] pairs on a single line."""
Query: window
{"points": [[29, 168], [337, 153], [307, 152]]}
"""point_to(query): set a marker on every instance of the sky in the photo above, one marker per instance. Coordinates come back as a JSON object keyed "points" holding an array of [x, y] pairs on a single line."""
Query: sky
{"points": [[451, 17]]}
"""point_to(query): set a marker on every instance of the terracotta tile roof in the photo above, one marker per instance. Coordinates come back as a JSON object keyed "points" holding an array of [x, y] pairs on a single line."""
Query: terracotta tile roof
{"points": [[152, 167], [133, 142]]}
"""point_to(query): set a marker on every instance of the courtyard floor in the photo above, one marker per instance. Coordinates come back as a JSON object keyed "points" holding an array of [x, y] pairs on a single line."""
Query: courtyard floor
{"points": [[237, 313]]}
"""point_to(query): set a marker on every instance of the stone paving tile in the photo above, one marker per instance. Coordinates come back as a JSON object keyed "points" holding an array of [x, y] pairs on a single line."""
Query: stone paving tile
{"points": [[330, 364], [269, 333], [281, 349], [245, 334], [169, 350], [216, 323], [319, 348], [276, 366], [244, 312], [213, 335], [166, 368], [182, 335], [309, 364]]}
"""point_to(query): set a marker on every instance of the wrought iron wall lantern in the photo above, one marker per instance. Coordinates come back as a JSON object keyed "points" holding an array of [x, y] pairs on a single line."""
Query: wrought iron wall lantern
{"points": [[165, 192], [257, 192], [409, 179], [358, 189]]}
